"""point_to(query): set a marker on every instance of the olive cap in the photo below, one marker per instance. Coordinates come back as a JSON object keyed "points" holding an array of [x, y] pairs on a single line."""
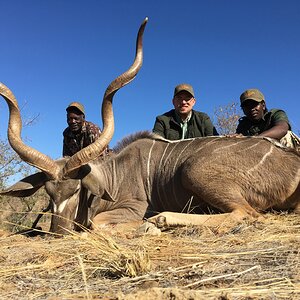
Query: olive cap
{"points": [[76, 105], [184, 87], [252, 94]]}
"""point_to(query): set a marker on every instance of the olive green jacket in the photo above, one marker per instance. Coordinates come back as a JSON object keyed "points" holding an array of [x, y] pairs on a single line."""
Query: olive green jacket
{"points": [[199, 125], [248, 128]]}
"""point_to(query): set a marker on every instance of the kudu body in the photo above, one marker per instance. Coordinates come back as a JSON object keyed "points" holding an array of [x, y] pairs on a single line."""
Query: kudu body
{"points": [[240, 176]]}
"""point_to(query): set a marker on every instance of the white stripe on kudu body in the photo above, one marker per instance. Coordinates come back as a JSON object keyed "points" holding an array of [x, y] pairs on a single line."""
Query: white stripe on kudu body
{"points": [[159, 170], [148, 171], [166, 160], [254, 168], [205, 145], [179, 155]]}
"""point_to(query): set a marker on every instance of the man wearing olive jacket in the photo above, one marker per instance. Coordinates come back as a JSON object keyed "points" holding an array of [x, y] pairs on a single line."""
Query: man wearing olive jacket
{"points": [[183, 122]]}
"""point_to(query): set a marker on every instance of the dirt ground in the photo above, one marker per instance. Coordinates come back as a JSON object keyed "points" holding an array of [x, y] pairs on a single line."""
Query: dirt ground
{"points": [[250, 261]]}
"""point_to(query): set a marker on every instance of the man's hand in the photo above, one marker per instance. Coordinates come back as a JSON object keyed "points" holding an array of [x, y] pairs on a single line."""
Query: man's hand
{"points": [[236, 135]]}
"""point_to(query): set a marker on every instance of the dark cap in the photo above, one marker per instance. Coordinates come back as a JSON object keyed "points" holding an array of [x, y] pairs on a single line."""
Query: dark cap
{"points": [[184, 87], [76, 105], [252, 94]]}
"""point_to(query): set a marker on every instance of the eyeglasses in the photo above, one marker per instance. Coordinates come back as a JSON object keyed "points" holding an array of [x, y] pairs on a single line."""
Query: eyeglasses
{"points": [[181, 99]]}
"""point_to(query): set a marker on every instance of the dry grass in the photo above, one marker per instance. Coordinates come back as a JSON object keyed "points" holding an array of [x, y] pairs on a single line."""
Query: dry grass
{"points": [[252, 261]]}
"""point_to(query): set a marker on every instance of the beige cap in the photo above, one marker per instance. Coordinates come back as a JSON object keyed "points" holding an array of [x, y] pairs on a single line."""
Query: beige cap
{"points": [[252, 94], [184, 87], [77, 105]]}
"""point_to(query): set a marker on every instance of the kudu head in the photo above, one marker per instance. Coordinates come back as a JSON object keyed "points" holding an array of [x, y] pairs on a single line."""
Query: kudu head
{"points": [[62, 178]]}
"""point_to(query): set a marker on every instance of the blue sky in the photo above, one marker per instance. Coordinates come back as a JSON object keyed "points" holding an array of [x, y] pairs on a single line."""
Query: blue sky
{"points": [[59, 51]]}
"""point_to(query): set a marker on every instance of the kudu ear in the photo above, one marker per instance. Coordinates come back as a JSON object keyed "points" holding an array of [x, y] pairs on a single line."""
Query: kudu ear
{"points": [[94, 189], [106, 196], [90, 180], [27, 186]]}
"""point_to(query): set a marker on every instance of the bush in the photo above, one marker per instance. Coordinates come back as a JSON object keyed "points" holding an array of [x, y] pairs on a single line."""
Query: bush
{"points": [[226, 118]]}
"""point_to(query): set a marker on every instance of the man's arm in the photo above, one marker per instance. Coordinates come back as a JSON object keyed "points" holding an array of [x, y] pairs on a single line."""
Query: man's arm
{"points": [[93, 132], [278, 131], [279, 126], [239, 129], [66, 150], [159, 128], [209, 128]]}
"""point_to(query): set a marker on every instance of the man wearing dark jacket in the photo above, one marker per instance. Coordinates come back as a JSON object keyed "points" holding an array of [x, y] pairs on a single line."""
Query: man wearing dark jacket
{"points": [[259, 121], [79, 133], [183, 122]]}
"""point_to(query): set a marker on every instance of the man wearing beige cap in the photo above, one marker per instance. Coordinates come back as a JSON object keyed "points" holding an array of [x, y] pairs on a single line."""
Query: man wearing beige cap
{"points": [[259, 121], [80, 133], [183, 122]]}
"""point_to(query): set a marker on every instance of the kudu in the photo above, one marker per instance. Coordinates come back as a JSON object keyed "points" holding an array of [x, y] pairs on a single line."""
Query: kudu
{"points": [[239, 177]]}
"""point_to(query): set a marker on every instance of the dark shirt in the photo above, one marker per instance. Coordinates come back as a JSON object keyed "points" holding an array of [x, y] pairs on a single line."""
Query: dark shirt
{"points": [[168, 126], [271, 118], [75, 142]]}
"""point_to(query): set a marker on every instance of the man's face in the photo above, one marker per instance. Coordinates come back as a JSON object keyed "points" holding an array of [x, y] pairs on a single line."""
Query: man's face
{"points": [[75, 121], [254, 110], [183, 103]]}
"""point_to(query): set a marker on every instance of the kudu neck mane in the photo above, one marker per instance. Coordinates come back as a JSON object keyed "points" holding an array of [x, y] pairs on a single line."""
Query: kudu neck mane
{"points": [[132, 138]]}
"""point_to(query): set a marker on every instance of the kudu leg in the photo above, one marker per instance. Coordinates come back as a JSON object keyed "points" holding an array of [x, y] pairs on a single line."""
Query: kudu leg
{"points": [[236, 210], [167, 218], [219, 222], [115, 216]]}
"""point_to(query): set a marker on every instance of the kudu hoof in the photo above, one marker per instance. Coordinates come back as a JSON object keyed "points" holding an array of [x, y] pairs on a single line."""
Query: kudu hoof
{"points": [[148, 228]]}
